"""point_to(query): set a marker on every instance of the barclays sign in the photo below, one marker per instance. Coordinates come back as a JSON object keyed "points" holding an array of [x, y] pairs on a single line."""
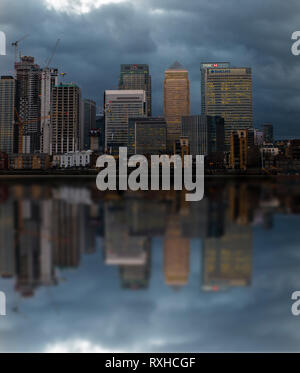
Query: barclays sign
{"points": [[219, 71]]}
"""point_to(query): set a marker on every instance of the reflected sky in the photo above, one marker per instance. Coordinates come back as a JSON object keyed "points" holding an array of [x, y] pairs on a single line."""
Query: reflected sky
{"points": [[86, 271]]}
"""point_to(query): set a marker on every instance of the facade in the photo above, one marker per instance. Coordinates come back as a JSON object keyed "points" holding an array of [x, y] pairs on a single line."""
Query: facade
{"points": [[258, 137], [7, 114], [228, 93], [65, 118], [37, 161], [147, 136], [120, 105], [137, 77], [76, 159], [239, 149], [176, 101], [28, 106], [100, 125], [205, 133], [203, 67], [49, 80], [268, 133], [89, 122]]}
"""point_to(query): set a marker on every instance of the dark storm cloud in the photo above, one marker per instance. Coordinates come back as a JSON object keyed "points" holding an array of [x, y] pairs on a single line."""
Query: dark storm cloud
{"points": [[93, 45]]}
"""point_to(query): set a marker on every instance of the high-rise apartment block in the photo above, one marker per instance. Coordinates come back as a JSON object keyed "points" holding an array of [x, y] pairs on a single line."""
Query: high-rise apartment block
{"points": [[7, 113], [28, 105], [120, 105], [65, 118], [49, 80], [176, 101], [228, 93], [137, 77], [205, 133]]}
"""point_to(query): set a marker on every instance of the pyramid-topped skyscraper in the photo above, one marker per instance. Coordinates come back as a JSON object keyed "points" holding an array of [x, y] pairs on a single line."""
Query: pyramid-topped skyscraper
{"points": [[176, 101]]}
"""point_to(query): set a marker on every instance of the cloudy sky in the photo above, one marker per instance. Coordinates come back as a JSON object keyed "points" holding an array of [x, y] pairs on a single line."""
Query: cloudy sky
{"points": [[98, 35]]}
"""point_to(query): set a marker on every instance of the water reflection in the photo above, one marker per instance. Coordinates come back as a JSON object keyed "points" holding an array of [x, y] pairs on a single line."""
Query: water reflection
{"points": [[46, 229]]}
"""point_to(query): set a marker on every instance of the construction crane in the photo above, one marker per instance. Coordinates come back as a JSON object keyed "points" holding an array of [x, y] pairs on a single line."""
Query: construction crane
{"points": [[16, 45], [53, 53]]}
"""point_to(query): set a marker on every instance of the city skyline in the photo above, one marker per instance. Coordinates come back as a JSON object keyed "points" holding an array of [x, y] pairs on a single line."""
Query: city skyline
{"points": [[274, 67]]}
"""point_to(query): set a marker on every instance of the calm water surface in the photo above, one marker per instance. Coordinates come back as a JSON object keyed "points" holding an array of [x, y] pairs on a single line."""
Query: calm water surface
{"points": [[90, 271]]}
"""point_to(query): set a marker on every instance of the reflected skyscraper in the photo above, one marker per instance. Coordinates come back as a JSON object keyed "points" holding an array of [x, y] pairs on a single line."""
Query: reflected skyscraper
{"points": [[176, 254]]}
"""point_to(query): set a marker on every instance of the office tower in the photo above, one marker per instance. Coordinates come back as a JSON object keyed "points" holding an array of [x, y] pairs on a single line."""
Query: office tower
{"points": [[176, 101], [205, 133], [239, 149], [28, 105], [89, 121], [176, 254], [258, 137], [147, 136], [7, 114], [203, 67], [49, 80], [268, 132], [100, 125], [120, 105], [228, 93], [137, 77], [65, 118]]}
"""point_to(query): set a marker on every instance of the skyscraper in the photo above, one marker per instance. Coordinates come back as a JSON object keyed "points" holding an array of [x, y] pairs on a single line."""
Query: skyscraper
{"points": [[89, 121], [119, 106], [28, 104], [65, 118], [137, 77], [206, 133], [176, 101], [203, 67], [147, 136], [49, 80], [7, 114], [228, 93]]}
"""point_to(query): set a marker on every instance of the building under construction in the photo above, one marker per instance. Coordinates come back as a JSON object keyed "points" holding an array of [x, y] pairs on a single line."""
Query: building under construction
{"points": [[28, 106]]}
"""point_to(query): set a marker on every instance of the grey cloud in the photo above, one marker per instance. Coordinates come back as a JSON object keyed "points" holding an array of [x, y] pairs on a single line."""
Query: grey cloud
{"points": [[93, 45]]}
